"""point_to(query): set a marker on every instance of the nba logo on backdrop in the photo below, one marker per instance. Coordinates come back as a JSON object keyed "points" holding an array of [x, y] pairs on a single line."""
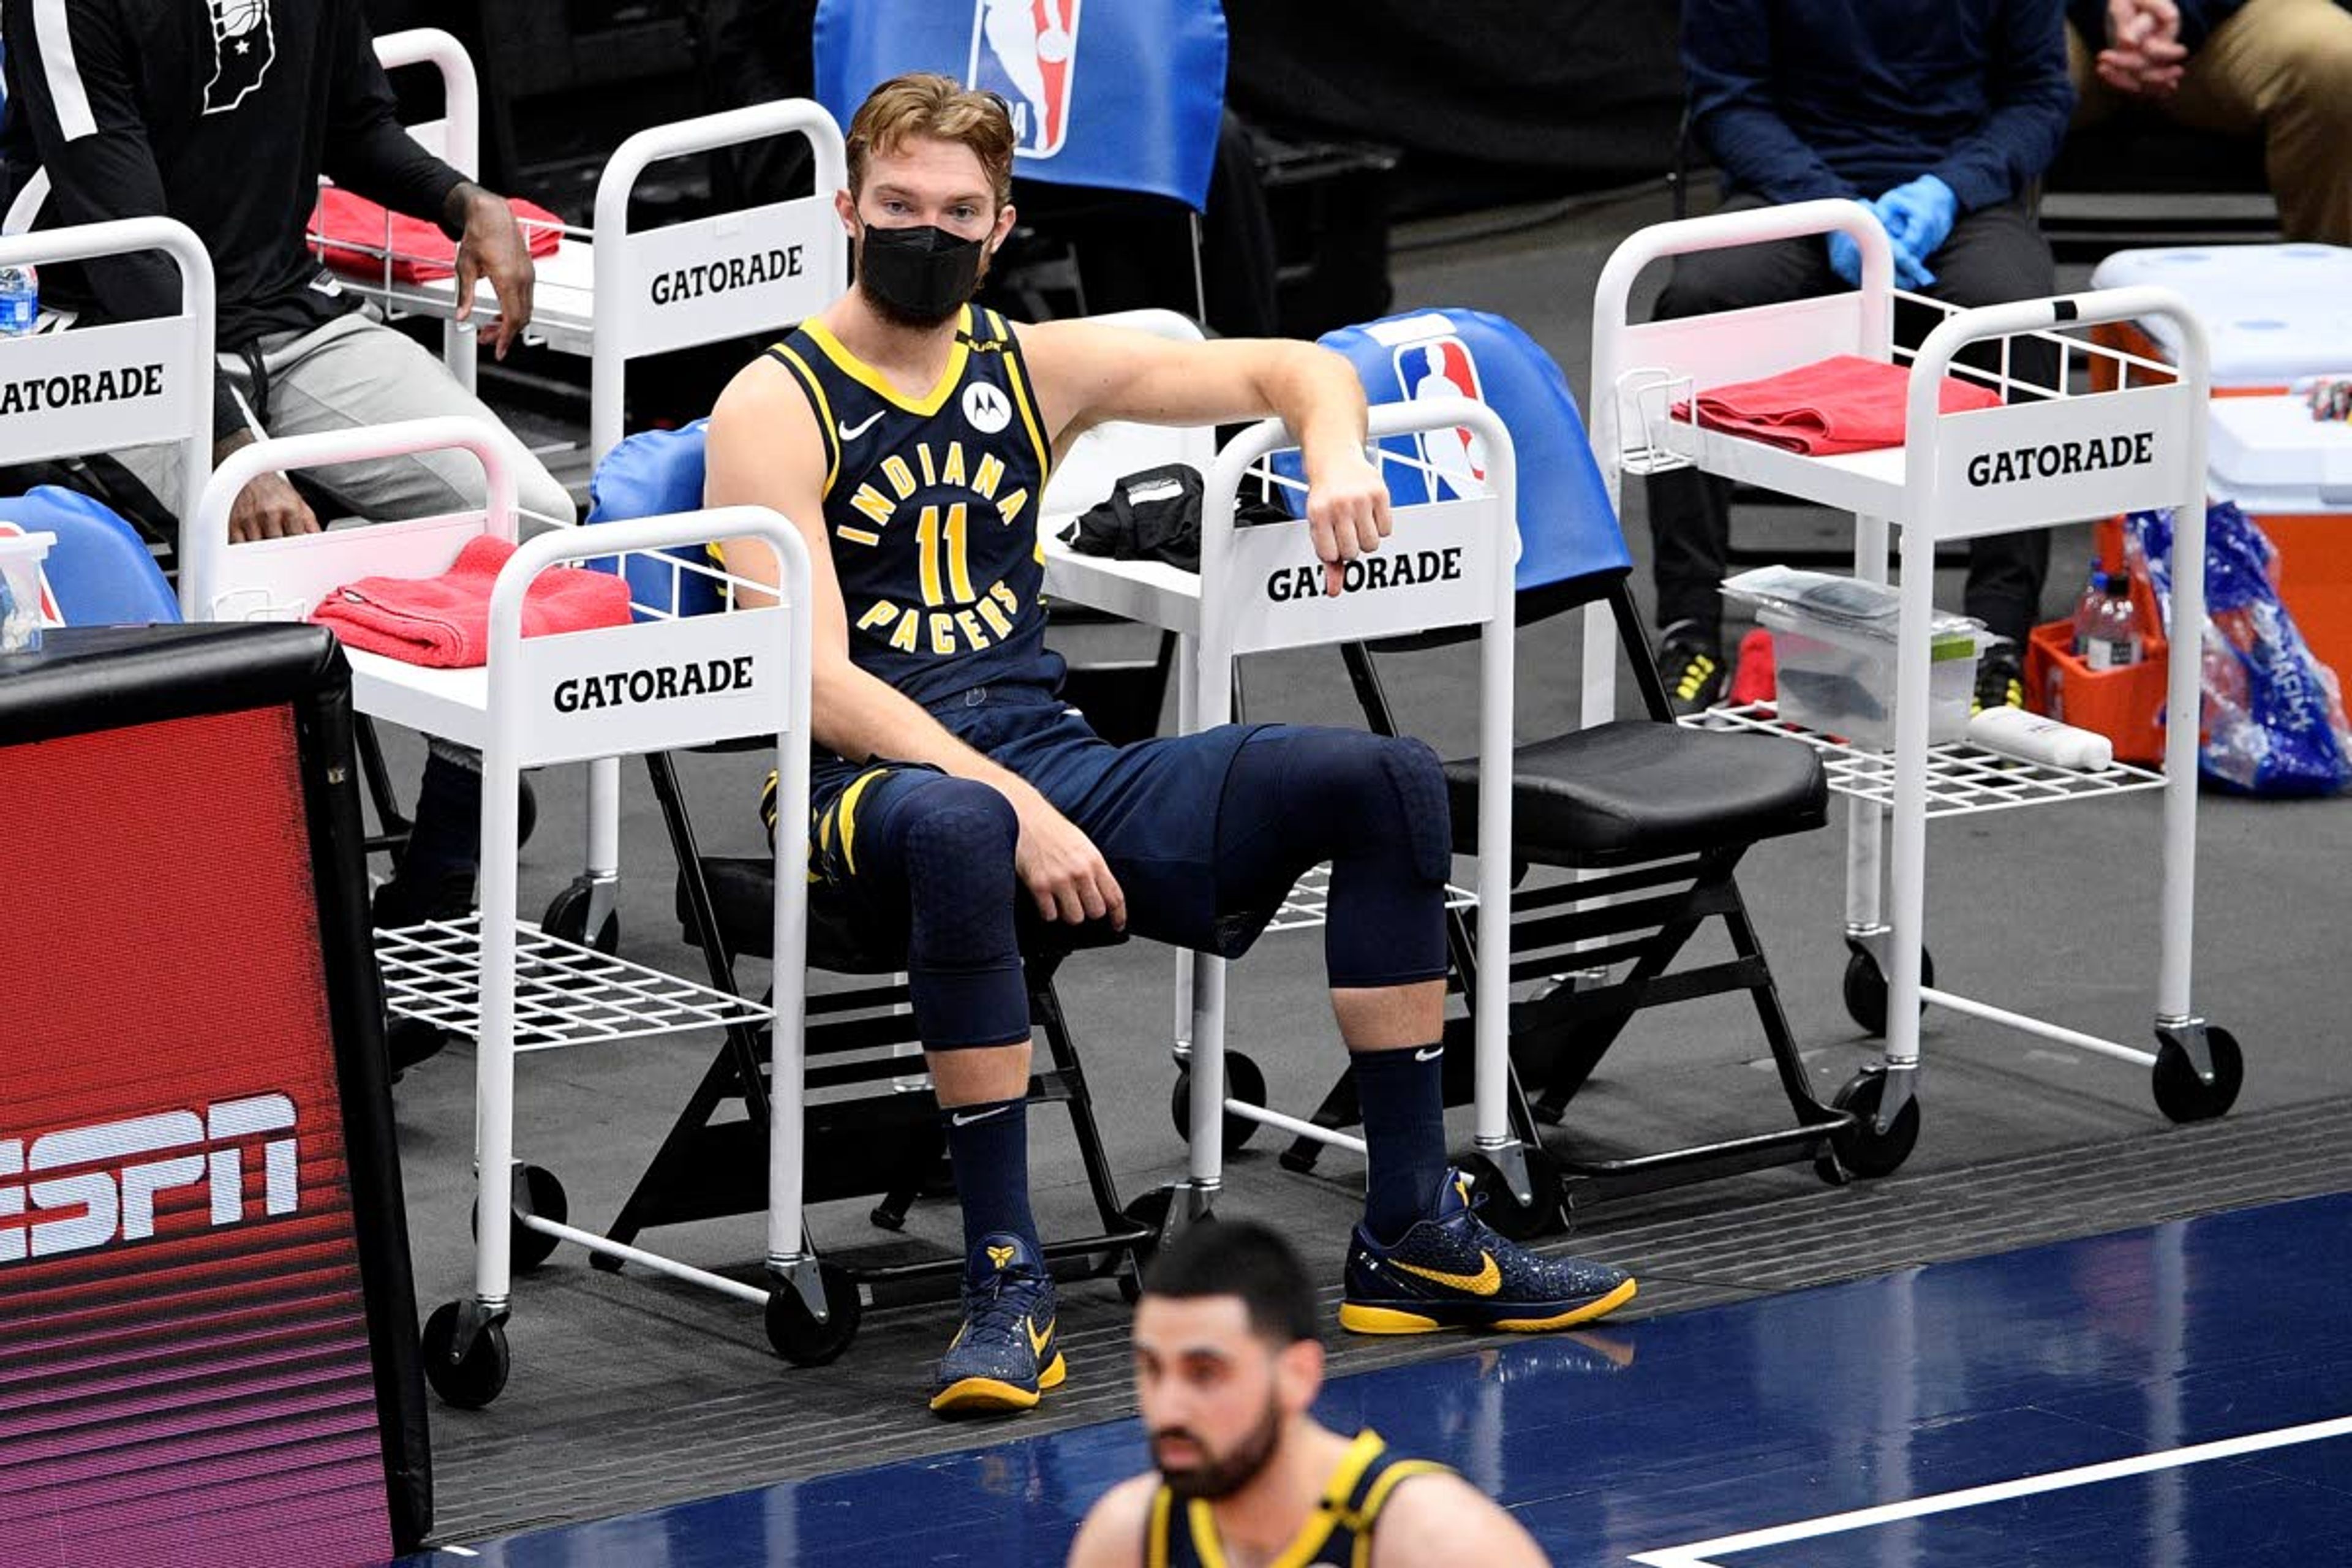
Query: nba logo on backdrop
{"points": [[1026, 50], [1442, 367]]}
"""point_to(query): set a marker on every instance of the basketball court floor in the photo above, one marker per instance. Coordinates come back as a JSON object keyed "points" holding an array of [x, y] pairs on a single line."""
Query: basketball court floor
{"points": [[2176, 1395]]}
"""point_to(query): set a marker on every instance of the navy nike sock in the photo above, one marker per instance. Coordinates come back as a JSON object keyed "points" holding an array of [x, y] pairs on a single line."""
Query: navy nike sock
{"points": [[1403, 1095], [989, 1144]]}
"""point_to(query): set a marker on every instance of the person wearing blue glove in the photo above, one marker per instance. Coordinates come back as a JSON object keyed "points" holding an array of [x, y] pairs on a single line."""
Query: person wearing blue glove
{"points": [[1937, 115]]}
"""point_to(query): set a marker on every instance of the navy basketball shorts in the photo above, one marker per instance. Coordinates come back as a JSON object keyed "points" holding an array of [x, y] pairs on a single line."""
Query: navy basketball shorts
{"points": [[1201, 867]]}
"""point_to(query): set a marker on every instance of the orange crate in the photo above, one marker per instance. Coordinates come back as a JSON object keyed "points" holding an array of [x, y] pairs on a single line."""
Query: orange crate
{"points": [[2124, 705]]}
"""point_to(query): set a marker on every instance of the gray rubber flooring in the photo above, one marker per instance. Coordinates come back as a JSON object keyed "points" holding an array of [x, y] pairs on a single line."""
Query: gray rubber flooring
{"points": [[630, 1390]]}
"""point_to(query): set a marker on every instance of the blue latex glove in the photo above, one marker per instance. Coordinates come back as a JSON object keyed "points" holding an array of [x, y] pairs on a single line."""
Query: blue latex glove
{"points": [[1845, 256], [1918, 216]]}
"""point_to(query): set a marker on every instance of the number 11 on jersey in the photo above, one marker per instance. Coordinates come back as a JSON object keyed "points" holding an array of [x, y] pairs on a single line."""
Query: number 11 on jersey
{"points": [[932, 542]]}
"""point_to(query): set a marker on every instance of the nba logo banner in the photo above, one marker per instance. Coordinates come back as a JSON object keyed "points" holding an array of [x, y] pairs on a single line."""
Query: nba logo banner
{"points": [[1445, 367], [1121, 95], [1026, 51]]}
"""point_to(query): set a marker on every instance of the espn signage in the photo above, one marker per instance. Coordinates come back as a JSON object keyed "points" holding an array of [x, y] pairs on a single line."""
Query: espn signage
{"points": [[86, 1187], [194, 1348]]}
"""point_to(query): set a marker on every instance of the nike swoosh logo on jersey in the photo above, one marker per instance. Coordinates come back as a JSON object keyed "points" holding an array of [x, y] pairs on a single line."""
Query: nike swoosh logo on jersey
{"points": [[1485, 1282], [852, 432]]}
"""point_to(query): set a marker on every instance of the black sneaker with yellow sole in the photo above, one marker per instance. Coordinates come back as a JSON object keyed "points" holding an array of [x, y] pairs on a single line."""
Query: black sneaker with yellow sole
{"points": [[1455, 1271]]}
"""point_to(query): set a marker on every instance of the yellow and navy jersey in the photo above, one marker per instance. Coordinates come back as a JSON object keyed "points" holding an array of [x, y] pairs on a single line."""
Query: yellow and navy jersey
{"points": [[1184, 1534], [931, 509]]}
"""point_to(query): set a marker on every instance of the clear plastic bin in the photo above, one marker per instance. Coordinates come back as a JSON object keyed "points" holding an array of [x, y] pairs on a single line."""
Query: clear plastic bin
{"points": [[21, 555], [1836, 680]]}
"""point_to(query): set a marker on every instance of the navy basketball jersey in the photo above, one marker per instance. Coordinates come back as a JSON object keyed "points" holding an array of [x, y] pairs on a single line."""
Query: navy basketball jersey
{"points": [[1184, 1534], [930, 507]]}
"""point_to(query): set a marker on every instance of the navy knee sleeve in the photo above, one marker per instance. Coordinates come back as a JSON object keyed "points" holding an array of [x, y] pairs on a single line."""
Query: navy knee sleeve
{"points": [[1375, 807], [952, 841]]}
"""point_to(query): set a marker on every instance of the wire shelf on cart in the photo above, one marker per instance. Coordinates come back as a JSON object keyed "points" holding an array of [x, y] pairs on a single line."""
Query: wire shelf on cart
{"points": [[1962, 779], [1309, 902], [565, 994]]}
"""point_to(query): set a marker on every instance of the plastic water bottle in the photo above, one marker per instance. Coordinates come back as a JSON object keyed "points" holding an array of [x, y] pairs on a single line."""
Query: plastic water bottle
{"points": [[2112, 639], [20, 300], [2086, 608]]}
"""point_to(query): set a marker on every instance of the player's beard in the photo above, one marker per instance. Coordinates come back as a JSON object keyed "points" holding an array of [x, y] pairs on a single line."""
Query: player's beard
{"points": [[1222, 1475]]}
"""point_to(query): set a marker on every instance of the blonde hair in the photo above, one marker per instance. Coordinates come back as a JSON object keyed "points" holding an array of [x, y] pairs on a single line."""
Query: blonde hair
{"points": [[926, 104]]}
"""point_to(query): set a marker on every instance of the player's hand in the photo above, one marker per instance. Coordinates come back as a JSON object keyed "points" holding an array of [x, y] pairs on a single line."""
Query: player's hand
{"points": [[1347, 512], [269, 508], [492, 247], [1062, 868]]}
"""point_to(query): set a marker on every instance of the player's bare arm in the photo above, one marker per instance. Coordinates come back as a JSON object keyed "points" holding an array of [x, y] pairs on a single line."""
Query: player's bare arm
{"points": [[1088, 374], [765, 449], [1112, 1535], [1440, 1521]]}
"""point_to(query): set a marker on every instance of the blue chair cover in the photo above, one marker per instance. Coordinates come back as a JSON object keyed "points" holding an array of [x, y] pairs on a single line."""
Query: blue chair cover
{"points": [[100, 571], [1118, 94], [1567, 527], [651, 474]]}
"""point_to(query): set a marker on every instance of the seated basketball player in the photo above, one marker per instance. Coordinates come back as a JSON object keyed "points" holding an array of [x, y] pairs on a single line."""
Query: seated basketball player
{"points": [[911, 436], [1226, 1368]]}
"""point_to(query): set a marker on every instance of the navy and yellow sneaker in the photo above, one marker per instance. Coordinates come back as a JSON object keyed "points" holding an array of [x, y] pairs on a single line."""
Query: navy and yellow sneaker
{"points": [[1005, 1353], [1454, 1271]]}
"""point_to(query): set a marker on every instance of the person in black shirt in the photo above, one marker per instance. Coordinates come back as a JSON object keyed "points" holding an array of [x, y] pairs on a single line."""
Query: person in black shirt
{"points": [[223, 114]]}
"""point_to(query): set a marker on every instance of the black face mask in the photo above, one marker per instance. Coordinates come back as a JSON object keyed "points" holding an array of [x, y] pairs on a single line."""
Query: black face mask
{"points": [[917, 277]]}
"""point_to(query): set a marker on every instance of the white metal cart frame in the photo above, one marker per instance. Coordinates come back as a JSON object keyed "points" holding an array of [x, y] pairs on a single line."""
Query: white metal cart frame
{"points": [[1231, 608], [513, 986], [1958, 476], [128, 383], [706, 281]]}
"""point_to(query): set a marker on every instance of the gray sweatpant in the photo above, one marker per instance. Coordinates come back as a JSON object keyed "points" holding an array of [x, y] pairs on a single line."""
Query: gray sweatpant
{"points": [[356, 371]]}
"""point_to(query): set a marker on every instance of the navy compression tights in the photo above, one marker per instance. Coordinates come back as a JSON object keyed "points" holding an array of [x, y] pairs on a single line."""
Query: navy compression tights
{"points": [[1374, 807]]}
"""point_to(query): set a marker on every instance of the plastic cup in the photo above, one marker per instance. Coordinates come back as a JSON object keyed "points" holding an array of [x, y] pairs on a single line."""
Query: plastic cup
{"points": [[20, 589]]}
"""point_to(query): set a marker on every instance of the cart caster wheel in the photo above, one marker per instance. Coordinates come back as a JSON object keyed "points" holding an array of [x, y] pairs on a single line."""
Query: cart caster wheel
{"points": [[797, 1336], [527, 1248], [1861, 1148], [473, 1383], [2181, 1095], [526, 811], [1243, 1081], [1541, 1217], [567, 918], [1831, 1173], [1865, 988]]}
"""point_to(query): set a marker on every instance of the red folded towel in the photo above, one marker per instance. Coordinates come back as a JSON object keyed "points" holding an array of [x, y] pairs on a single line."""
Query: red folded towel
{"points": [[444, 621], [1844, 404], [349, 230]]}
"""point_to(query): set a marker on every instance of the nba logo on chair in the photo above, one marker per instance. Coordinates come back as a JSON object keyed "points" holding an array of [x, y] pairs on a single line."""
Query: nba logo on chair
{"points": [[1027, 51], [1443, 367]]}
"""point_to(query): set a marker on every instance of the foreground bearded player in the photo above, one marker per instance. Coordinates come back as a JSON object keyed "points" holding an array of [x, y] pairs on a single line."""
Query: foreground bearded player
{"points": [[1227, 1367], [910, 435]]}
